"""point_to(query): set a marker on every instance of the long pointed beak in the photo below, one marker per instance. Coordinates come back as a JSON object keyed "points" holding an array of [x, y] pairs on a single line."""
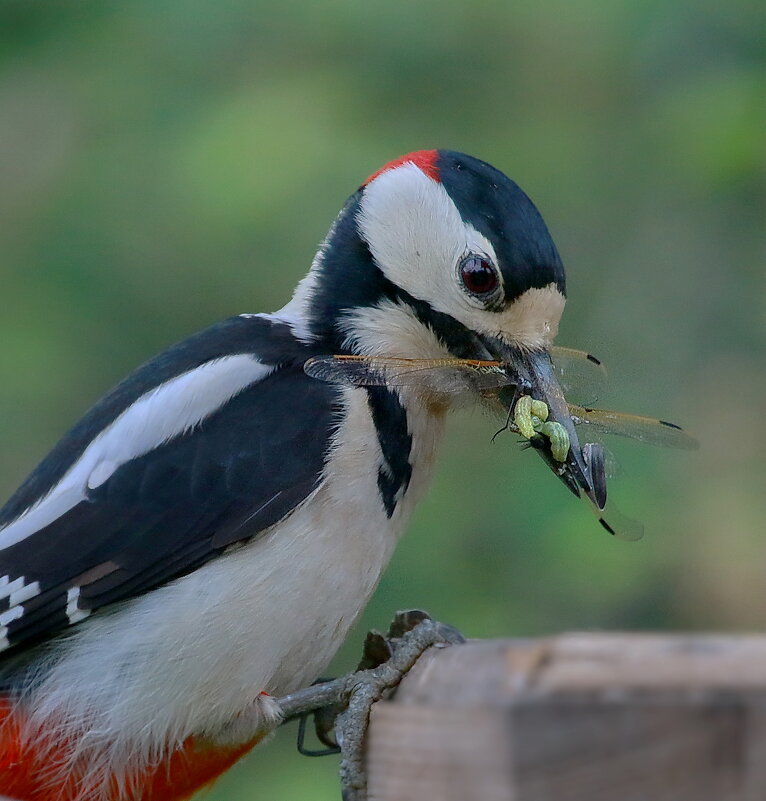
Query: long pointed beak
{"points": [[536, 377]]}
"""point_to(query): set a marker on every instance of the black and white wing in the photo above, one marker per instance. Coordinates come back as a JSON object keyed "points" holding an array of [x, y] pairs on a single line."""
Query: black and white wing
{"points": [[209, 443]]}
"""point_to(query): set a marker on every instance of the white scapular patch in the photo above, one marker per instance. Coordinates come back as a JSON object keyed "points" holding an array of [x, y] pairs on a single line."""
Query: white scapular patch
{"points": [[417, 237], [156, 417]]}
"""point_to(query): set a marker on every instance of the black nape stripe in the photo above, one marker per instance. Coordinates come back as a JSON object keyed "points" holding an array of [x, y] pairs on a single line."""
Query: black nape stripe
{"points": [[390, 419], [460, 341]]}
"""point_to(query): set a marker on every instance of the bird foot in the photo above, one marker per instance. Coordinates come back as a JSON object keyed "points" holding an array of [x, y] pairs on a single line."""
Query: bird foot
{"points": [[341, 707]]}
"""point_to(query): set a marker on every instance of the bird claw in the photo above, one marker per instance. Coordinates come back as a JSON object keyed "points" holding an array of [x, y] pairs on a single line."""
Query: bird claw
{"points": [[342, 706], [411, 633]]}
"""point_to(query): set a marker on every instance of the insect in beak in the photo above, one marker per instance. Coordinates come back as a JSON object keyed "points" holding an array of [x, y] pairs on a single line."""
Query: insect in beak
{"points": [[522, 386], [538, 410]]}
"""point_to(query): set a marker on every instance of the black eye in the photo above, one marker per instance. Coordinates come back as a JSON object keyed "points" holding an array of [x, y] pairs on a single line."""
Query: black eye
{"points": [[478, 275]]}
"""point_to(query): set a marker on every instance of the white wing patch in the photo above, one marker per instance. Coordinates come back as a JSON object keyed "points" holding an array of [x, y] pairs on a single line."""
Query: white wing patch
{"points": [[159, 415], [18, 591], [73, 612], [14, 613]]}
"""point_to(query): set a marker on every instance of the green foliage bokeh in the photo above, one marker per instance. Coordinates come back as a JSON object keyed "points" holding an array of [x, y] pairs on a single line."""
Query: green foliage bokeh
{"points": [[167, 163]]}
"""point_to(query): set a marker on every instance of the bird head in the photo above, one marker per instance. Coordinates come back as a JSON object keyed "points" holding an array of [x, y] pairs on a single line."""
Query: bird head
{"points": [[440, 254]]}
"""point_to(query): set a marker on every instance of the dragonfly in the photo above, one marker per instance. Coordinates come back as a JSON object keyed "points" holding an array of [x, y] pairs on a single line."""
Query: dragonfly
{"points": [[500, 386]]}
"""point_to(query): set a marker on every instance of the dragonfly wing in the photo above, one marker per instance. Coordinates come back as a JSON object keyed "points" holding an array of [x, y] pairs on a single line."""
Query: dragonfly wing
{"points": [[644, 429], [434, 375], [353, 374], [616, 523], [581, 375]]}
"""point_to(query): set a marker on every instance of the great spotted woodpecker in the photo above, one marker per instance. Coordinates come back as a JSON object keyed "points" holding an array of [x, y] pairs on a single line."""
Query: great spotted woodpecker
{"points": [[204, 538]]}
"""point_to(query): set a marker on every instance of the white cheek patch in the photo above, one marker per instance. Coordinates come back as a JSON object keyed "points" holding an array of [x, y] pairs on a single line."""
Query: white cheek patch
{"points": [[156, 417], [417, 236]]}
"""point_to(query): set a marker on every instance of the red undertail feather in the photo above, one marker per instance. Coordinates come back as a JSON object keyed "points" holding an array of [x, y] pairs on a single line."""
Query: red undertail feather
{"points": [[25, 773]]}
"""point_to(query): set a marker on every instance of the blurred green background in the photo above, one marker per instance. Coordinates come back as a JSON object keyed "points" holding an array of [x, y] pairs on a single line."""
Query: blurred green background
{"points": [[167, 163]]}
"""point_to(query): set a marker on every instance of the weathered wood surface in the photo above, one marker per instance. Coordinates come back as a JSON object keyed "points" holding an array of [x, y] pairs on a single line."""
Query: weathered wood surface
{"points": [[579, 717]]}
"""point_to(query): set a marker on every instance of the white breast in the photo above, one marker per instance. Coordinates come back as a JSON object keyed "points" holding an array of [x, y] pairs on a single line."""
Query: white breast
{"points": [[268, 616]]}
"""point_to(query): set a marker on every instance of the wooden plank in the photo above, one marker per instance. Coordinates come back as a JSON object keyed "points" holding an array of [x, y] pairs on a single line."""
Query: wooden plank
{"points": [[602, 717], [420, 754]]}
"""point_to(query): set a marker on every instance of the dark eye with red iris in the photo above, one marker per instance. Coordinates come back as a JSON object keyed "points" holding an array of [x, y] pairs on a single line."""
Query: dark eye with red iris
{"points": [[478, 275]]}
